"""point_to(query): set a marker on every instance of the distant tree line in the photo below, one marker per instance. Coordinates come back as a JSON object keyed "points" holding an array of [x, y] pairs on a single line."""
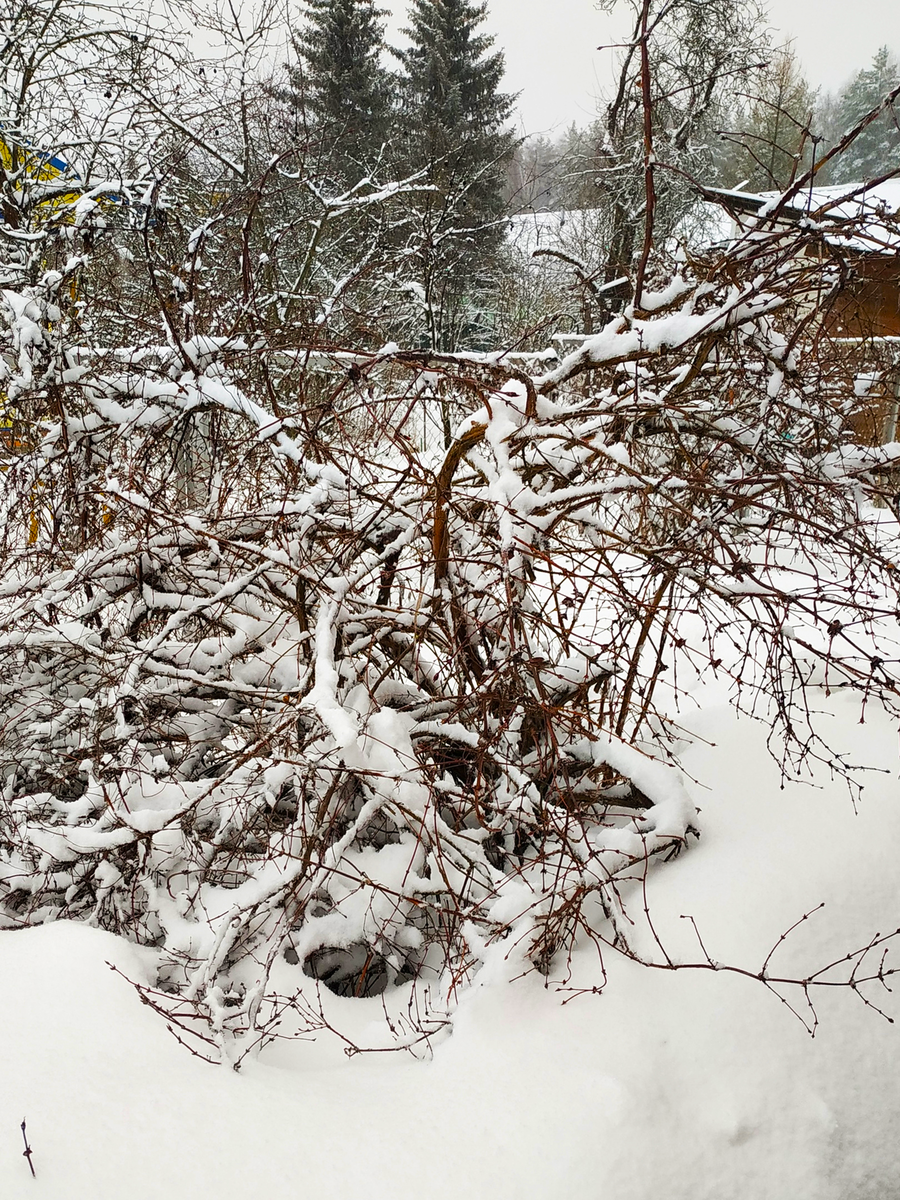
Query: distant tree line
{"points": [[877, 149], [723, 108], [758, 141], [429, 264]]}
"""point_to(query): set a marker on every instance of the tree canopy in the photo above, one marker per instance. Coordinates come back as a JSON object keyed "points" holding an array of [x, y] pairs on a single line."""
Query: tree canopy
{"points": [[341, 85], [877, 149], [454, 129]]}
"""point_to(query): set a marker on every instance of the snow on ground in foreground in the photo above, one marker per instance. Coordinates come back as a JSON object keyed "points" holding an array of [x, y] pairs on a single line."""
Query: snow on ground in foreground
{"points": [[688, 1086]]}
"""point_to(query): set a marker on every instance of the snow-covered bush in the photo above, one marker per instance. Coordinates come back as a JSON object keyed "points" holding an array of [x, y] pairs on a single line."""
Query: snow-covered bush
{"points": [[389, 713]]}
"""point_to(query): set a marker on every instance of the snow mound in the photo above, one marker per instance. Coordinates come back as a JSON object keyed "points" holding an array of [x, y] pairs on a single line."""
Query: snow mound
{"points": [[691, 1085]]}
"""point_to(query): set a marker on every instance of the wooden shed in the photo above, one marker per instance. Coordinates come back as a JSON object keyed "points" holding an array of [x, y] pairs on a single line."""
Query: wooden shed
{"points": [[860, 326]]}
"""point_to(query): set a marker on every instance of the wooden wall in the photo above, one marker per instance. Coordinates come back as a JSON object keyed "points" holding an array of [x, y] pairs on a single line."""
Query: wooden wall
{"points": [[869, 304]]}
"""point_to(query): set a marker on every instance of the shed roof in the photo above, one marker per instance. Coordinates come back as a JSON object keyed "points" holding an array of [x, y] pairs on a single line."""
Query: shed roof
{"points": [[861, 216]]}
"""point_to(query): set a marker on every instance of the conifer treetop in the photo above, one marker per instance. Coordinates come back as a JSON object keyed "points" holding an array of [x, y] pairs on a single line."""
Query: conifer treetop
{"points": [[877, 148], [452, 78], [340, 80]]}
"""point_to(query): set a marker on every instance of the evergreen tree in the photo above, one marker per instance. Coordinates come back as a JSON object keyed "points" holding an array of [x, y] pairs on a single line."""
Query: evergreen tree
{"points": [[539, 172], [877, 148], [455, 115], [339, 85]]}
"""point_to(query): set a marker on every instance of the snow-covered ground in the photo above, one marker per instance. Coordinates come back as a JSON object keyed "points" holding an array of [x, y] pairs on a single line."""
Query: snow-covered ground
{"points": [[691, 1085]]}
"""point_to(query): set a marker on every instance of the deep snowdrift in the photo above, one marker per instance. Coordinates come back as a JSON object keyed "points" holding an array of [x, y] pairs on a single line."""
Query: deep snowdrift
{"points": [[690, 1086]]}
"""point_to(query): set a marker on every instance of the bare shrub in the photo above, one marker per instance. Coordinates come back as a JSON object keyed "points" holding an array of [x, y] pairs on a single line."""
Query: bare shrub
{"points": [[372, 660], [388, 710]]}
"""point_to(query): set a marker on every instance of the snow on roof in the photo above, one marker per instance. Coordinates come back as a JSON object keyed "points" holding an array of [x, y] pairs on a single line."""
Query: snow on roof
{"points": [[860, 216], [854, 215]]}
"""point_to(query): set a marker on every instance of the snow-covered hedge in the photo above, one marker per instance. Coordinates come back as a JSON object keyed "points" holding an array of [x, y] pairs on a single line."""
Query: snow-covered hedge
{"points": [[275, 685]]}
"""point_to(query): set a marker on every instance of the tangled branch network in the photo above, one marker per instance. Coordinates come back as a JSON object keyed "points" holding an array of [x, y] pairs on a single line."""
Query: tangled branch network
{"points": [[317, 687]]}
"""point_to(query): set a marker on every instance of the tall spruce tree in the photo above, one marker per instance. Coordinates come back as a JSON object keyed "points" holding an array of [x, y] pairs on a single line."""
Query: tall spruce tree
{"points": [[455, 116], [340, 85], [877, 148]]}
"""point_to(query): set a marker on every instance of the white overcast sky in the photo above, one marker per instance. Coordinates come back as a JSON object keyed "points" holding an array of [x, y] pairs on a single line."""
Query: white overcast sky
{"points": [[553, 62]]}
